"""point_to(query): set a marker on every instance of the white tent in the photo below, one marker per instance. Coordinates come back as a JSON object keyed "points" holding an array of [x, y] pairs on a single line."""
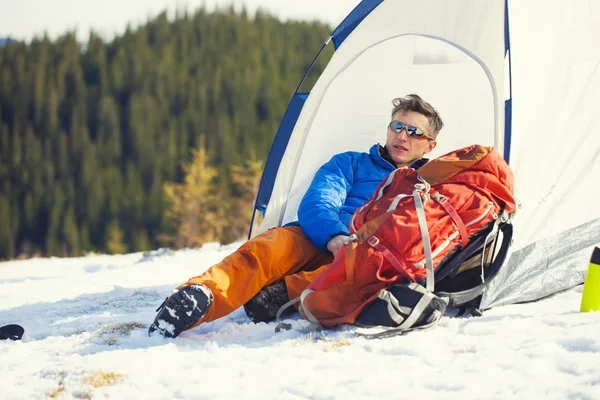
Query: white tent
{"points": [[518, 75]]}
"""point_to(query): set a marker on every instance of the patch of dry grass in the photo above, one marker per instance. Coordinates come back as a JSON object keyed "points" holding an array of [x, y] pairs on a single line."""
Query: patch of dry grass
{"points": [[56, 392], [123, 329], [101, 378], [336, 345], [319, 336], [118, 330], [95, 380], [111, 341]]}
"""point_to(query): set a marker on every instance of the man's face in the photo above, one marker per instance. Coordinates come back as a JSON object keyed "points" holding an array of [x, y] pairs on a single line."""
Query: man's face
{"points": [[405, 149]]}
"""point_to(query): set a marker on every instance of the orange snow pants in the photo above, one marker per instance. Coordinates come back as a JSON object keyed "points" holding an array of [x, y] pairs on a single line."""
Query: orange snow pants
{"points": [[261, 261]]}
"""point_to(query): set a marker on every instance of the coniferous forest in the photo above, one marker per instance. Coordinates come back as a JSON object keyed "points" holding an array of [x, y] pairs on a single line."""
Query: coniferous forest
{"points": [[100, 141]]}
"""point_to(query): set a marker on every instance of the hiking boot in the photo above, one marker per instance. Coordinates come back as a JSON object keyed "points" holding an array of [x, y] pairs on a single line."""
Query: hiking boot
{"points": [[264, 306], [181, 310]]}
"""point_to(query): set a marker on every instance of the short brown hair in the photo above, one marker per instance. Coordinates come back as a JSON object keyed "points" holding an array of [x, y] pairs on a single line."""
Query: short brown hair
{"points": [[414, 102]]}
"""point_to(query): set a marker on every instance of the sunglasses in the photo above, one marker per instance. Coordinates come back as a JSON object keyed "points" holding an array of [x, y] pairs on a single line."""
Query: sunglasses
{"points": [[411, 130]]}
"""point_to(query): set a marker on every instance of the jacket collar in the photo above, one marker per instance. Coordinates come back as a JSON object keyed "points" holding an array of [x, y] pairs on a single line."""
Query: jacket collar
{"points": [[382, 151]]}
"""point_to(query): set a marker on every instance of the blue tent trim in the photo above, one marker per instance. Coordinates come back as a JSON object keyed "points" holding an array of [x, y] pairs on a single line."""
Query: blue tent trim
{"points": [[508, 102], [352, 21], [507, 129], [277, 149]]}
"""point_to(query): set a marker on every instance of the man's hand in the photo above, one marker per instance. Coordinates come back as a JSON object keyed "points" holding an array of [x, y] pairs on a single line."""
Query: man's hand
{"points": [[336, 243]]}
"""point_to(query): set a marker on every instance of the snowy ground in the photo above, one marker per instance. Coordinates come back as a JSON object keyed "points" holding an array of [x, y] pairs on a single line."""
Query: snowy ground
{"points": [[86, 320]]}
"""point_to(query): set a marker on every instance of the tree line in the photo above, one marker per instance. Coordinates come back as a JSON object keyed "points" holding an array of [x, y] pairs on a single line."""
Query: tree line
{"points": [[100, 141]]}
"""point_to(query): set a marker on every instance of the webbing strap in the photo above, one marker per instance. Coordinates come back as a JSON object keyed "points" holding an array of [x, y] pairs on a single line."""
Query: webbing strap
{"points": [[397, 199], [392, 306], [417, 311], [426, 241], [283, 326], [416, 287], [443, 201], [309, 316], [285, 307], [389, 180], [374, 242], [488, 239]]}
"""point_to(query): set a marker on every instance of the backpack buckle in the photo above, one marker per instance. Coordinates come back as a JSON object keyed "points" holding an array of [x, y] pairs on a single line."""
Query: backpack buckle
{"points": [[439, 197], [373, 241]]}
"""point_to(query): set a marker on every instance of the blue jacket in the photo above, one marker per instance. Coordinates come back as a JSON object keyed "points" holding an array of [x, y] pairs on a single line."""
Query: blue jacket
{"points": [[340, 186]]}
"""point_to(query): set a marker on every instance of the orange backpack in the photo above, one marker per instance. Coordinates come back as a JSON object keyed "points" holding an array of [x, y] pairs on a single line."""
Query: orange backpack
{"points": [[413, 221]]}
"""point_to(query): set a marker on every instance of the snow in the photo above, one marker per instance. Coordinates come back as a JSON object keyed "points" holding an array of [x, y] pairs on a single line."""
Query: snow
{"points": [[86, 322]]}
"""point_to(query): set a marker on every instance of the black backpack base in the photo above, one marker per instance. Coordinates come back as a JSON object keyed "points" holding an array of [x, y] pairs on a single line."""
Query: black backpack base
{"points": [[11, 332]]}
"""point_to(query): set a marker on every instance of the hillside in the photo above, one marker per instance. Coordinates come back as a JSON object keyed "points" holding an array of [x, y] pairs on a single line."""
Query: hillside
{"points": [[90, 132]]}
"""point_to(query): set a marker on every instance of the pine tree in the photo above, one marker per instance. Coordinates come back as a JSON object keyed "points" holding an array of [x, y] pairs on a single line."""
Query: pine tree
{"points": [[114, 240], [193, 206], [8, 228], [245, 180], [71, 233]]}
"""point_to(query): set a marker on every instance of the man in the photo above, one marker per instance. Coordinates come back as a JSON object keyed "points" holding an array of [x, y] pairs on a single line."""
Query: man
{"points": [[277, 265]]}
